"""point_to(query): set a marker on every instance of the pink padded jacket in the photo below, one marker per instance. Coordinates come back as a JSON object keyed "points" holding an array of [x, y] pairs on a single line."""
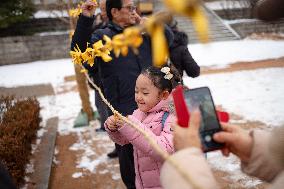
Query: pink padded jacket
{"points": [[147, 162]]}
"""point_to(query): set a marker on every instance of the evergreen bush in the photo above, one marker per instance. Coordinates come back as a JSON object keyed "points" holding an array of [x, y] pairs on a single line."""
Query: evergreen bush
{"points": [[15, 11]]}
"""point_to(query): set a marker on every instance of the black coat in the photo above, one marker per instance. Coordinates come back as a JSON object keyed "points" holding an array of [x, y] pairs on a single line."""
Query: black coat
{"points": [[181, 57], [119, 75]]}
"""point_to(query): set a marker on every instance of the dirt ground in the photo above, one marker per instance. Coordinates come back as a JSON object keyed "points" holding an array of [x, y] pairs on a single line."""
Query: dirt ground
{"points": [[61, 177], [64, 166]]}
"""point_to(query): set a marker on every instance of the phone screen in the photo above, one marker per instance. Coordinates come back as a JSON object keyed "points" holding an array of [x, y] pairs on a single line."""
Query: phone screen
{"points": [[186, 101], [200, 98]]}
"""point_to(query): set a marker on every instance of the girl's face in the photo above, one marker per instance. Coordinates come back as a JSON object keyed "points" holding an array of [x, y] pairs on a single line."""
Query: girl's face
{"points": [[146, 94]]}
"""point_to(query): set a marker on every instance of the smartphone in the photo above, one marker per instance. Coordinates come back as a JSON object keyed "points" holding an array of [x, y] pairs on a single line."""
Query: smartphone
{"points": [[187, 100]]}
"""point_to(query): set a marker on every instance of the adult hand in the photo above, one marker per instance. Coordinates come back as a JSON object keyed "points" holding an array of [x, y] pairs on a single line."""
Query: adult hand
{"points": [[188, 137], [140, 20], [89, 8], [237, 141]]}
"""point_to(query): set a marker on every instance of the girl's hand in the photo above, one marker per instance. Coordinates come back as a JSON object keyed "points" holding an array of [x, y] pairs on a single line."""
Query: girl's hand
{"points": [[114, 123], [89, 8], [110, 122]]}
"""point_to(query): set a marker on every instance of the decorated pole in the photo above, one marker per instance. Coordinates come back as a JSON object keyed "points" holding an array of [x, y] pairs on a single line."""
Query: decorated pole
{"points": [[82, 85]]}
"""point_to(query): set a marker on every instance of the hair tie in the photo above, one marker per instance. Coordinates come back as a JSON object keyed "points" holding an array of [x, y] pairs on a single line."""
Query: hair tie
{"points": [[166, 71]]}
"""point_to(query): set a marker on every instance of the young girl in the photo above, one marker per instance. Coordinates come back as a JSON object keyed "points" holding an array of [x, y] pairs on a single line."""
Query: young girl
{"points": [[153, 87]]}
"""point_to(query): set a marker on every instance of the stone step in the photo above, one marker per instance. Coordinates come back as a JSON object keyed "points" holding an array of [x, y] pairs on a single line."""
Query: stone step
{"points": [[44, 156], [218, 30]]}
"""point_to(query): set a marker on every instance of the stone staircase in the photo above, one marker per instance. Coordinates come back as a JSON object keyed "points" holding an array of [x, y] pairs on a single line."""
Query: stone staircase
{"points": [[218, 30]]}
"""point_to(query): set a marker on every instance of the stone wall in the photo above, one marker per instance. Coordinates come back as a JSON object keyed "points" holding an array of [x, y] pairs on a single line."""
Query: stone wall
{"points": [[256, 26], [34, 26], [31, 48], [232, 14]]}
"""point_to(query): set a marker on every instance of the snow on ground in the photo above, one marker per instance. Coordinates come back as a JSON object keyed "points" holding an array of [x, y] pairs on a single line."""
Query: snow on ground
{"points": [[226, 52], [53, 33], [237, 21], [39, 72], [50, 14], [254, 94], [54, 13], [225, 4]]}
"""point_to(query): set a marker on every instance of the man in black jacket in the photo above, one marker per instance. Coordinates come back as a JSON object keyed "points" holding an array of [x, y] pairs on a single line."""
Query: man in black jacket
{"points": [[119, 75]]}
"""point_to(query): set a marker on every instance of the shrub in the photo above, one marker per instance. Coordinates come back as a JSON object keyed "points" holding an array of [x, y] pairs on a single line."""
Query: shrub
{"points": [[19, 122], [14, 11]]}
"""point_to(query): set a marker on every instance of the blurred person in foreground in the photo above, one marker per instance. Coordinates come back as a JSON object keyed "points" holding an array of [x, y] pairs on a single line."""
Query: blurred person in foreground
{"points": [[261, 154]]}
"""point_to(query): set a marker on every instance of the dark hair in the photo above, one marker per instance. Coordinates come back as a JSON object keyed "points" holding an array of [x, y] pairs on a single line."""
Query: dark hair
{"points": [[157, 77], [112, 4]]}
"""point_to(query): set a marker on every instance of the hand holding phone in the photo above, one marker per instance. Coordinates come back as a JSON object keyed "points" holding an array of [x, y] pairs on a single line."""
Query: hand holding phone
{"points": [[187, 100]]}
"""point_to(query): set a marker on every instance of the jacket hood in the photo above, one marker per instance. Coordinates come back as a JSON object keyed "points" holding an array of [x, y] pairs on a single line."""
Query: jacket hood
{"points": [[180, 38]]}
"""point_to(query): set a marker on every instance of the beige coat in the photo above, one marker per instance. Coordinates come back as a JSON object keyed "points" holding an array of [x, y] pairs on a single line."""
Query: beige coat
{"points": [[266, 162]]}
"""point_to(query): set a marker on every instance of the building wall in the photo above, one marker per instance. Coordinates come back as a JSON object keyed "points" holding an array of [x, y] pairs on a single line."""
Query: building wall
{"points": [[247, 28], [31, 48]]}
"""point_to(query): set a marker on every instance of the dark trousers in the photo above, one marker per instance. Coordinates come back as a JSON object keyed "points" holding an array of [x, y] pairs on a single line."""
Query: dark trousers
{"points": [[125, 153], [126, 162], [102, 109], [6, 181]]}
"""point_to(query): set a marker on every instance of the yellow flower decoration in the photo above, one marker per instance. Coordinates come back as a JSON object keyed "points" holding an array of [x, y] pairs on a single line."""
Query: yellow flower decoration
{"points": [[119, 45], [101, 51], [75, 12], [133, 38], [84, 70], [89, 56], [160, 50], [108, 42], [193, 10], [76, 55]]}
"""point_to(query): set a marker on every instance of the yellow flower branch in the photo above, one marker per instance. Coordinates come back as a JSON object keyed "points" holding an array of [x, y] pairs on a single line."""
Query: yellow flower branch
{"points": [[120, 43], [193, 10], [154, 26]]}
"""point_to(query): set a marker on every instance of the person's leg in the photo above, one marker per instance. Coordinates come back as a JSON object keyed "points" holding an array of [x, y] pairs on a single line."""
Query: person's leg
{"points": [[126, 162], [114, 153], [6, 181], [102, 109], [103, 112]]}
